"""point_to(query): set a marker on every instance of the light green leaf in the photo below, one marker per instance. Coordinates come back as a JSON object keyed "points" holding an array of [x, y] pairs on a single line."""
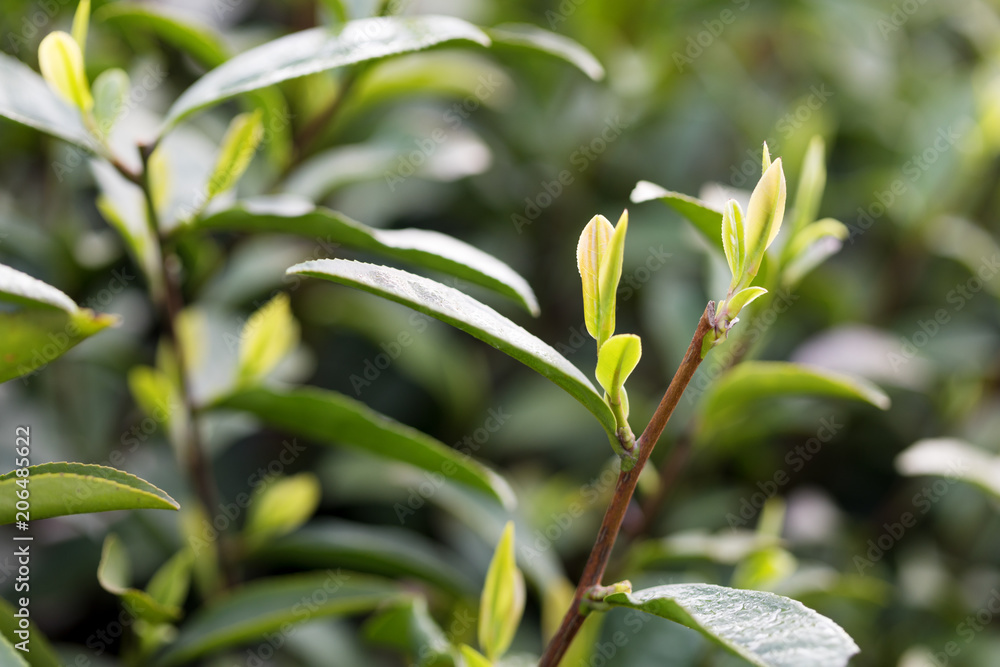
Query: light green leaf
{"points": [[811, 246], [170, 583], [61, 62], [502, 602], [238, 147], [409, 627], [59, 489], [815, 232], [320, 49], [740, 300], [812, 181], [174, 28], [10, 656], [27, 99], [42, 654], [617, 359], [473, 658], [43, 325], [532, 37], [705, 218], [732, 237], [433, 250], [389, 551], [153, 391], [953, 459], [754, 380], [332, 418], [268, 336], [115, 576], [764, 214], [609, 275], [590, 251], [282, 507], [462, 311], [615, 362], [764, 569], [269, 605], [81, 21], [763, 628], [111, 89], [765, 161]]}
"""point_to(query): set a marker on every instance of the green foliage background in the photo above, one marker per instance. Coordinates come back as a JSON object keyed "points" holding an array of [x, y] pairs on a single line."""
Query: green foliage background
{"points": [[907, 97]]}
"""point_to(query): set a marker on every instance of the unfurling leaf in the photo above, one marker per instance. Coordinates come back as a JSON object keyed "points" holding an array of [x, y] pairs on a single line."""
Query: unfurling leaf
{"points": [[502, 602], [615, 362], [61, 62], [765, 160], [763, 220], [732, 237], [269, 335], [590, 250], [153, 391], [238, 147], [812, 181], [281, 507], [81, 21], [115, 575], [741, 299], [610, 274]]}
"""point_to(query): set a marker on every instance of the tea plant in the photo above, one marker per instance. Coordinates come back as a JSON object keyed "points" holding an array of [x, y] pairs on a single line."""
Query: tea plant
{"points": [[165, 195]]}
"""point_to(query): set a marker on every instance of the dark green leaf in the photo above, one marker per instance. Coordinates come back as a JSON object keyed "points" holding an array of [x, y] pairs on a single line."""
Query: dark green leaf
{"points": [[706, 219], [532, 37], [270, 605], [381, 550], [174, 28], [766, 629], [333, 418], [433, 250], [320, 49], [462, 311], [409, 628], [58, 489], [115, 576], [755, 380]]}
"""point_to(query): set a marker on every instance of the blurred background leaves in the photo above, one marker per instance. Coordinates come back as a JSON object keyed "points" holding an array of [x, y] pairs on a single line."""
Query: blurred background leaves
{"points": [[512, 152]]}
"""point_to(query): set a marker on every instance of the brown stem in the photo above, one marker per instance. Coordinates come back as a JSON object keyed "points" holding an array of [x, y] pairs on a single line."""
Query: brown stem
{"points": [[593, 571], [199, 466], [669, 471]]}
